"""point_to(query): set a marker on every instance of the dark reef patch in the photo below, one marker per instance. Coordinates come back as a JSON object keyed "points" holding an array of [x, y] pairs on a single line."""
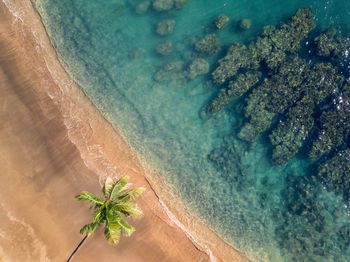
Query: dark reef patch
{"points": [[303, 97], [298, 100]]}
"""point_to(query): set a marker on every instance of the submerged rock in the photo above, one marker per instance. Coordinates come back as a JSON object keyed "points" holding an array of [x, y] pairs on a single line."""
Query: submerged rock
{"points": [[271, 47], [330, 44], [311, 223], [172, 72], [334, 128], [236, 88], [323, 81], [335, 173], [142, 7], [227, 160], [245, 24], [165, 27], [180, 3], [238, 56], [295, 99], [164, 48], [289, 135], [221, 21], [198, 66], [162, 5], [208, 44], [273, 96], [332, 134]]}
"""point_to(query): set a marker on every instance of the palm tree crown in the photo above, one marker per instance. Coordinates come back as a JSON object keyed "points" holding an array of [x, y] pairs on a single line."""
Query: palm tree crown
{"points": [[111, 210]]}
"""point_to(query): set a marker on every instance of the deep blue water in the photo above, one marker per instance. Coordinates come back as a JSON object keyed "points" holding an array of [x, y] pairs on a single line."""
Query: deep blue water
{"points": [[243, 195]]}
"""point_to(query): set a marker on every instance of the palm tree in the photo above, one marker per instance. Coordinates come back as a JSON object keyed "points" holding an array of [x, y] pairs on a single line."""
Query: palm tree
{"points": [[111, 210]]}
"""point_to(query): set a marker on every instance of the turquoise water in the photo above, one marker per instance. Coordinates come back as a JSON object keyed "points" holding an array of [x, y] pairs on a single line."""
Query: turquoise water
{"points": [[233, 185]]}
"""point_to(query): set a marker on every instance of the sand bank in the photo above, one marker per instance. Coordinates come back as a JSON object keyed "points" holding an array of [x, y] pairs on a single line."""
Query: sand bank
{"points": [[53, 142]]}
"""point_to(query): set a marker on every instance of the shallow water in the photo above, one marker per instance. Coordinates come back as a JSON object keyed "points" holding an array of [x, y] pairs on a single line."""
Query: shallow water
{"points": [[243, 195]]}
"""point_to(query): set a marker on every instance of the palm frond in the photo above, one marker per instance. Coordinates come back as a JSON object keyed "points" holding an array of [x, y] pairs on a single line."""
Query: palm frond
{"points": [[121, 185], [128, 209], [126, 228], [112, 229], [108, 186], [94, 200], [112, 233], [118, 203], [98, 215], [123, 199], [131, 194], [89, 229], [136, 192]]}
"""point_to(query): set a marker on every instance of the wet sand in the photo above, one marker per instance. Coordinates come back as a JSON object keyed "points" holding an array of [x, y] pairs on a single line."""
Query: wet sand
{"points": [[54, 144]]}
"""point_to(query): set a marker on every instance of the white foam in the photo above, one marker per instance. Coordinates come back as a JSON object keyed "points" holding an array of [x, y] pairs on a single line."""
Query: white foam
{"points": [[18, 14], [37, 245]]}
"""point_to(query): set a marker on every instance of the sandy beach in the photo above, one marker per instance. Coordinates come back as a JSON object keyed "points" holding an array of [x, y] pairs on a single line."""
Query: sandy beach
{"points": [[54, 144]]}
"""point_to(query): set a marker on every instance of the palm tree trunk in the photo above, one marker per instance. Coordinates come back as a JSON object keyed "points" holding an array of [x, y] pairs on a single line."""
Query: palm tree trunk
{"points": [[77, 248]]}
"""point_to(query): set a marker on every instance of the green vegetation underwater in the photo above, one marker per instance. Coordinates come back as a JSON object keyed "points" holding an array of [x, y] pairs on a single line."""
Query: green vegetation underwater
{"points": [[243, 105]]}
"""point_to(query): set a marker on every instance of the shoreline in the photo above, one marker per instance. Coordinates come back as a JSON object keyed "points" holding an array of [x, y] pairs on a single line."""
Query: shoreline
{"points": [[103, 148]]}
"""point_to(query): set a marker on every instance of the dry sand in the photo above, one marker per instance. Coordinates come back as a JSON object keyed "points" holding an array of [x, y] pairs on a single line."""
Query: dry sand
{"points": [[53, 144]]}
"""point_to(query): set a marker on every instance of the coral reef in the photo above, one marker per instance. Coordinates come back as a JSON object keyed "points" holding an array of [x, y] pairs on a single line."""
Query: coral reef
{"points": [[198, 66], [164, 48], [235, 89], [291, 91], [162, 5], [165, 27], [221, 21], [227, 159], [142, 7], [334, 127], [180, 3], [299, 103], [330, 43], [167, 5], [273, 96], [208, 44], [238, 56], [271, 47], [245, 24], [172, 72], [289, 135], [306, 232], [335, 173]]}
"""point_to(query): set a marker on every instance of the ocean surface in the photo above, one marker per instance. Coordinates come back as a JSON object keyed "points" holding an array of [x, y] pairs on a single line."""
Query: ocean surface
{"points": [[271, 212]]}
